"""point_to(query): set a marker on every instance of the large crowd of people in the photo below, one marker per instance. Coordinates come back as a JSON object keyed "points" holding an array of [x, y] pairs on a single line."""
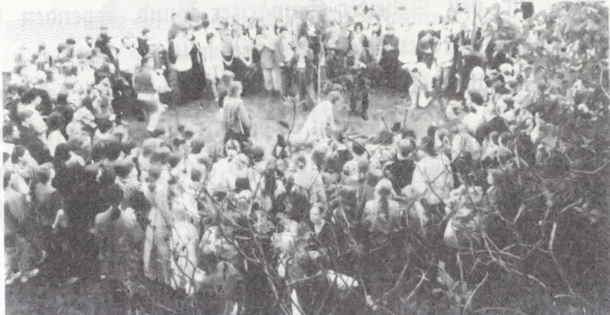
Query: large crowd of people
{"points": [[82, 197]]}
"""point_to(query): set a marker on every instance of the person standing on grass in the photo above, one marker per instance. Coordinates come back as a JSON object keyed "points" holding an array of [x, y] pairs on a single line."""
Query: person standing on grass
{"points": [[179, 55], [266, 44], [443, 53], [389, 56], [358, 87], [304, 70], [225, 85], [237, 120], [213, 62], [129, 59], [143, 45], [285, 52], [147, 84], [243, 63]]}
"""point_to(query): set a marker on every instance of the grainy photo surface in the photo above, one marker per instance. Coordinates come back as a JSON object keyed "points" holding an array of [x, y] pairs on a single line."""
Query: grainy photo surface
{"points": [[305, 157]]}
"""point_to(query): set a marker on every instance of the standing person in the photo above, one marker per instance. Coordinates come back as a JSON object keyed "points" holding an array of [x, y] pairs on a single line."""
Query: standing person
{"points": [[407, 55], [237, 120], [444, 59], [432, 178], [147, 84], [180, 58], [401, 170], [468, 61], [358, 87], [143, 48], [129, 59], [420, 91], [17, 215], [157, 234], [389, 56], [197, 79], [285, 54], [103, 43], [225, 86], [304, 70], [226, 48], [357, 42], [243, 63], [55, 124], [266, 44], [373, 51], [214, 62]]}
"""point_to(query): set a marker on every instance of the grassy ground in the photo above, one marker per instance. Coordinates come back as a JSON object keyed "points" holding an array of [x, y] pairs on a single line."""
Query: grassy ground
{"points": [[266, 113]]}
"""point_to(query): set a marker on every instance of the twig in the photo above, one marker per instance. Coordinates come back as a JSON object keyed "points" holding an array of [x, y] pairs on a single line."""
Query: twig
{"points": [[553, 232], [593, 171], [421, 280], [476, 289], [503, 309], [601, 80]]}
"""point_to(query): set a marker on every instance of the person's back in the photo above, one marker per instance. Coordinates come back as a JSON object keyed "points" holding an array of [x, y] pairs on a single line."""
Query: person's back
{"points": [[48, 202], [433, 177], [182, 48], [143, 82], [231, 114], [15, 211], [402, 172]]}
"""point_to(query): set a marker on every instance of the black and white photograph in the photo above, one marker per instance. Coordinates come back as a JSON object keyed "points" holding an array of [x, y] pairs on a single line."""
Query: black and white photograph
{"points": [[305, 157]]}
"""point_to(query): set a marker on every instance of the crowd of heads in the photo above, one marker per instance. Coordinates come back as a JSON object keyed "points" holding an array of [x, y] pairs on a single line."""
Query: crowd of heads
{"points": [[73, 174]]}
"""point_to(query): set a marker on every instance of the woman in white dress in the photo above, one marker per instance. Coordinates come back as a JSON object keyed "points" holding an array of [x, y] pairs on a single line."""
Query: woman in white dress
{"points": [[185, 232], [213, 62], [320, 123], [156, 255]]}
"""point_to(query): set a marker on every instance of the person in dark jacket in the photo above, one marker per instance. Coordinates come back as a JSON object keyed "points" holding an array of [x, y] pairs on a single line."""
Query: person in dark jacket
{"points": [[103, 43], [143, 48], [401, 169], [389, 56]]}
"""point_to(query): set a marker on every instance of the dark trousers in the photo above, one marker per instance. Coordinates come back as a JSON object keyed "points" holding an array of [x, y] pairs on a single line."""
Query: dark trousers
{"points": [[181, 96], [390, 65], [361, 97]]}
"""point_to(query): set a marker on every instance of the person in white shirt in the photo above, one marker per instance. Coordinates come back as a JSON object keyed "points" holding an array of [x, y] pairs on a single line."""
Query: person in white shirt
{"points": [[213, 62], [421, 89], [242, 56], [180, 48], [129, 59], [444, 58], [432, 178], [54, 136]]}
